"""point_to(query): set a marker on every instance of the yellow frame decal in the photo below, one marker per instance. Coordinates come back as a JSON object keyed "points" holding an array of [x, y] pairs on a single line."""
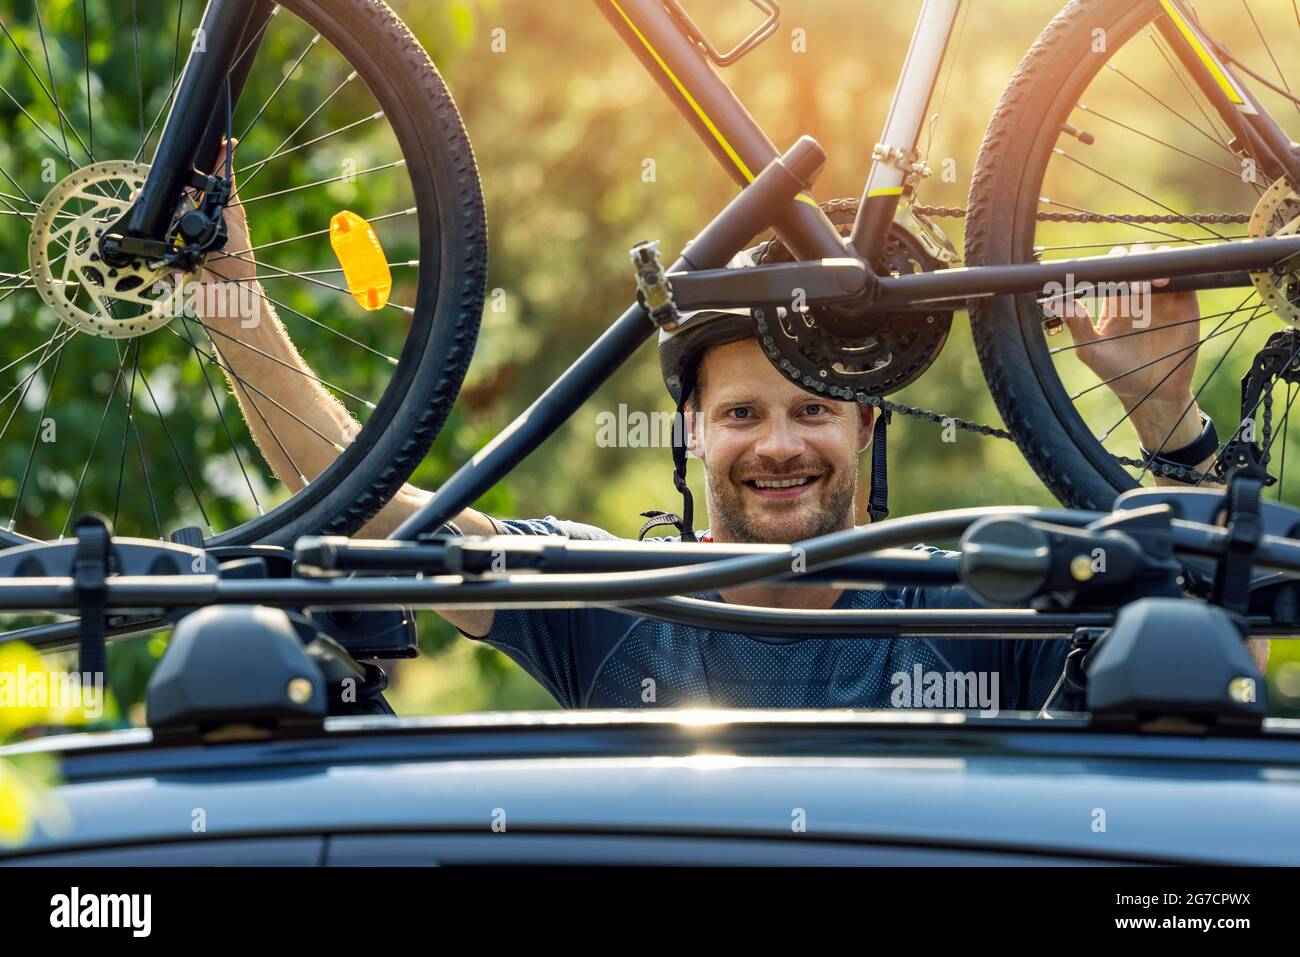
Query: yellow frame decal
{"points": [[1212, 64]]}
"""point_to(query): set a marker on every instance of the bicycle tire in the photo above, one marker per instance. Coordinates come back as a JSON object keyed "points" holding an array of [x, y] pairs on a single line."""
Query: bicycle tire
{"points": [[1000, 220], [445, 318], [445, 177]]}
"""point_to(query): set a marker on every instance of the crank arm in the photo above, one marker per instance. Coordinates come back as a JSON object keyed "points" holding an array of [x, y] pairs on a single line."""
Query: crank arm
{"points": [[814, 283]]}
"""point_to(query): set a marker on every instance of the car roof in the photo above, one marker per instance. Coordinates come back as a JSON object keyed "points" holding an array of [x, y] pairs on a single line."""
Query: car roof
{"points": [[1006, 784]]}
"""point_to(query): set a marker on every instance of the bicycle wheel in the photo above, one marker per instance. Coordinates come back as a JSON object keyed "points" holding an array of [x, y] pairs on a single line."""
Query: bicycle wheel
{"points": [[114, 406], [1103, 140]]}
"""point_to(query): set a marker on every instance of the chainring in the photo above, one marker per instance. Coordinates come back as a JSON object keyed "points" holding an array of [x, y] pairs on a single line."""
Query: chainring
{"points": [[896, 347]]}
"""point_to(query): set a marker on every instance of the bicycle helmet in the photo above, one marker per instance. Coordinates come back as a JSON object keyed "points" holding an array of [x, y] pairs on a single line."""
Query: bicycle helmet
{"points": [[680, 352]]}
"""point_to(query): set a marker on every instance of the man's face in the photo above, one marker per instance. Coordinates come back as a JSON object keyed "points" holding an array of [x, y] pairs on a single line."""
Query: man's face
{"points": [[780, 464]]}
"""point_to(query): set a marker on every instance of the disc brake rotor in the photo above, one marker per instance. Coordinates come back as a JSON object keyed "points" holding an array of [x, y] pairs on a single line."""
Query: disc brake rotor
{"points": [[63, 253], [1278, 214]]}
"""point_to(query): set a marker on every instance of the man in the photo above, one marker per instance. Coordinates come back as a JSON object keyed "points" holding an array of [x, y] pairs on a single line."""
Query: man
{"points": [[781, 465]]}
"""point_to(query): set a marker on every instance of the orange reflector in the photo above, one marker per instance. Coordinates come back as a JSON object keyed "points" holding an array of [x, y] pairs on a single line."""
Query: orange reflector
{"points": [[362, 257]]}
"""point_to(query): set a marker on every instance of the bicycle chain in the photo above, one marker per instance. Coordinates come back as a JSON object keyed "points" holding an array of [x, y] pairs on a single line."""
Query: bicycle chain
{"points": [[1169, 219], [1177, 472]]}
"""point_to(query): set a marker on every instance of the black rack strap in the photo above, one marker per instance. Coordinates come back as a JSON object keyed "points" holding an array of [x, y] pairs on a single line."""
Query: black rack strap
{"points": [[1232, 579], [89, 574]]}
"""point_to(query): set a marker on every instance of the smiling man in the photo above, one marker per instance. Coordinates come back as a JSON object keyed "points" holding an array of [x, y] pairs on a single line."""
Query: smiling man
{"points": [[780, 465]]}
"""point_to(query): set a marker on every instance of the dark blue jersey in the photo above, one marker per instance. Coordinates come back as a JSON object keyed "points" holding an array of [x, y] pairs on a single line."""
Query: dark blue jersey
{"points": [[595, 658]]}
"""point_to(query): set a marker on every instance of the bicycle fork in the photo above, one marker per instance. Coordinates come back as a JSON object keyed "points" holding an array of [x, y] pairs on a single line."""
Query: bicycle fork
{"points": [[207, 91]]}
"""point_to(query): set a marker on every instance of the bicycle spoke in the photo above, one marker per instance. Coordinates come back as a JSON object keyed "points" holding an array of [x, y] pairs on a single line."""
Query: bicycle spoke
{"points": [[281, 273], [139, 81], [54, 89], [42, 130], [1235, 174], [1151, 362], [1213, 139], [1269, 50], [257, 168], [1199, 389], [1292, 391], [1116, 219], [1197, 100], [64, 122], [297, 470], [1137, 192], [1138, 332], [1249, 416], [180, 460], [58, 334], [63, 339], [314, 233], [222, 415], [132, 348], [245, 384], [323, 272], [90, 117], [1240, 327], [36, 434], [176, 49], [254, 168], [1122, 241], [269, 428], [279, 86], [322, 182], [1280, 432], [22, 387], [112, 394], [284, 307], [370, 406]]}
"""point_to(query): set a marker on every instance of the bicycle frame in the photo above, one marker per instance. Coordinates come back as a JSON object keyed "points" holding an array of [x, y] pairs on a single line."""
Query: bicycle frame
{"points": [[829, 271], [835, 272]]}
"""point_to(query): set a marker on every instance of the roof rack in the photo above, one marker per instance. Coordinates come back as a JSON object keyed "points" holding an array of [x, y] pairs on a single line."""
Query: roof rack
{"points": [[1156, 597]]}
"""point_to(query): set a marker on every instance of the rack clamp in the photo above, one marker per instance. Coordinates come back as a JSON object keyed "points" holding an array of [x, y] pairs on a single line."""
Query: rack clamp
{"points": [[90, 568], [1244, 526]]}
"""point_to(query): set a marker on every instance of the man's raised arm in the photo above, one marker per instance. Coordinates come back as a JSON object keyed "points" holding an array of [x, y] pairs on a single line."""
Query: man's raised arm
{"points": [[298, 425]]}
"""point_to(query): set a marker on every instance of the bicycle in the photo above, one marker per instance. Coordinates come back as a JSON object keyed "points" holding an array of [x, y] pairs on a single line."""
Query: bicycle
{"points": [[873, 306]]}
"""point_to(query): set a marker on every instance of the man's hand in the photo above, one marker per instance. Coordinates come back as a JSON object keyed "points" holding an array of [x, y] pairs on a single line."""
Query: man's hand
{"points": [[1144, 346]]}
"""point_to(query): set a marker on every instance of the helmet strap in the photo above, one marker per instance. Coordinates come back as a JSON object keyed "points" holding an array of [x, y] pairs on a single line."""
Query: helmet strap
{"points": [[878, 503], [687, 525]]}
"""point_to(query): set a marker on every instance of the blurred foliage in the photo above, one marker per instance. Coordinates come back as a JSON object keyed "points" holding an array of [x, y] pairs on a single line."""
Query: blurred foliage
{"points": [[25, 779], [563, 120]]}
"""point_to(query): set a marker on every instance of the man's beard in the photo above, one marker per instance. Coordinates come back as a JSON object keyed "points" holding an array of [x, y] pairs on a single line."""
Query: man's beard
{"points": [[834, 512]]}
